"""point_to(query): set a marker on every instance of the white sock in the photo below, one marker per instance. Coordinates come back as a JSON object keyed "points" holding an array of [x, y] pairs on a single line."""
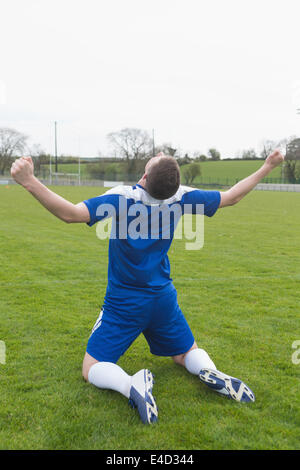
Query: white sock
{"points": [[198, 359], [111, 376]]}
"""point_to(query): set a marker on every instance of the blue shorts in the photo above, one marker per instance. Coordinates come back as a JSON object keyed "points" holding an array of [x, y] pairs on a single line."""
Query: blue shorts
{"points": [[124, 317]]}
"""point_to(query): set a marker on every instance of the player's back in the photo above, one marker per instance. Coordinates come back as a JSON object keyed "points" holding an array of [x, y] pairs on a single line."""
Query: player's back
{"points": [[142, 232]]}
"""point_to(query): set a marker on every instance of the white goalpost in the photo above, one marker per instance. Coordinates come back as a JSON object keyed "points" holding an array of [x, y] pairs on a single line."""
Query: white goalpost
{"points": [[68, 179]]}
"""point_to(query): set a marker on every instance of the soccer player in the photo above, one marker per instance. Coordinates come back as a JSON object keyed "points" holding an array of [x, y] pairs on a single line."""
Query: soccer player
{"points": [[140, 295]]}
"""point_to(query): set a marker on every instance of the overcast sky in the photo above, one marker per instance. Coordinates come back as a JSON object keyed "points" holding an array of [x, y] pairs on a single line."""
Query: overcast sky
{"points": [[223, 73]]}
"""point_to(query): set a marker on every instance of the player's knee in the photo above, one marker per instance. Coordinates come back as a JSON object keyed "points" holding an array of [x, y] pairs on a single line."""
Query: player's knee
{"points": [[85, 372], [88, 362], [179, 359]]}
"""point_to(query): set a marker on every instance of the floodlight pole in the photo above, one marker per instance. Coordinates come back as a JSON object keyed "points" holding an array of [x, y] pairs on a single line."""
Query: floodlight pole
{"points": [[55, 132], [50, 168]]}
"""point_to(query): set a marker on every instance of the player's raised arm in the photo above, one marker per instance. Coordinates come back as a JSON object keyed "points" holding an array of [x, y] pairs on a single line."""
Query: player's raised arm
{"points": [[22, 172], [239, 190]]}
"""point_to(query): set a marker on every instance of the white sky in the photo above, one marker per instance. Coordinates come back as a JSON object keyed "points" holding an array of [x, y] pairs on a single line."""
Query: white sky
{"points": [[223, 73]]}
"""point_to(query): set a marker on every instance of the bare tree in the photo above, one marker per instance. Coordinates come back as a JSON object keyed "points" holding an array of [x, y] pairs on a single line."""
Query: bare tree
{"points": [[131, 143], [167, 149], [267, 147], [290, 146], [39, 158], [249, 154], [12, 144], [135, 146]]}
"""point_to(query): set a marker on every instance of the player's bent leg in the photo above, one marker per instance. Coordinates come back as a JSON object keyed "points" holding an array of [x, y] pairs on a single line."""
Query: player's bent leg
{"points": [[137, 388], [198, 362], [180, 358], [197, 359], [194, 360], [107, 375]]}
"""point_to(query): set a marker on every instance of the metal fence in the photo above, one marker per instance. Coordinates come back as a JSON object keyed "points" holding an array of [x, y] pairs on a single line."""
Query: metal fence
{"points": [[278, 187], [206, 184]]}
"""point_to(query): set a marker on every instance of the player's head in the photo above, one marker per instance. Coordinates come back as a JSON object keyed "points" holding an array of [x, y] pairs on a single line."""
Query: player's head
{"points": [[162, 176]]}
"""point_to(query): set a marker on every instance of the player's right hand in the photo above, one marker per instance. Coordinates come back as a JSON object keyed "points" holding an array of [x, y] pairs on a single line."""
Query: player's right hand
{"points": [[22, 170], [275, 158]]}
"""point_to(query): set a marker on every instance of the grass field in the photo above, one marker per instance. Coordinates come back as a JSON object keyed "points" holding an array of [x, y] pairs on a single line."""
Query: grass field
{"points": [[221, 171], [240, 294], [232, 170]]}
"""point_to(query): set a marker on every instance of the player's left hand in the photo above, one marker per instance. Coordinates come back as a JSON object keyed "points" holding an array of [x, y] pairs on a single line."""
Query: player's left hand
{"points": [[275, 158]]}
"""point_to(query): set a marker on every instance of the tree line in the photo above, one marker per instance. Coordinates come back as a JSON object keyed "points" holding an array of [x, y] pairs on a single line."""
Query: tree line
{"points": [[132, 148]]}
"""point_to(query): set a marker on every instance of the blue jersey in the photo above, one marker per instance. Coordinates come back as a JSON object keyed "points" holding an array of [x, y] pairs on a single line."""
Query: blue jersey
{"points": [[142, 232]]}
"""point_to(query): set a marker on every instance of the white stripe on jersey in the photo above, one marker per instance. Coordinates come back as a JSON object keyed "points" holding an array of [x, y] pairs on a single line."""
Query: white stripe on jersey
{"points": [[139, 194]]}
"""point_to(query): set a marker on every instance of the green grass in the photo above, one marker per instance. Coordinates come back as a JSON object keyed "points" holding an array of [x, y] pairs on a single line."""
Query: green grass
{"points": [[230, 171], [72, 168], [240, 294], [234, 169], [220, 171]]}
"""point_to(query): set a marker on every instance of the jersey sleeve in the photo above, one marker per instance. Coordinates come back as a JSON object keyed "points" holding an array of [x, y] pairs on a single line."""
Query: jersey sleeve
{"points": [[102, 207], [195, 199]]}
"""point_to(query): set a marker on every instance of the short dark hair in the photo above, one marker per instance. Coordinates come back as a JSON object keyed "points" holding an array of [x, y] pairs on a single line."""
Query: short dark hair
{"points": [[163, 178]]}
